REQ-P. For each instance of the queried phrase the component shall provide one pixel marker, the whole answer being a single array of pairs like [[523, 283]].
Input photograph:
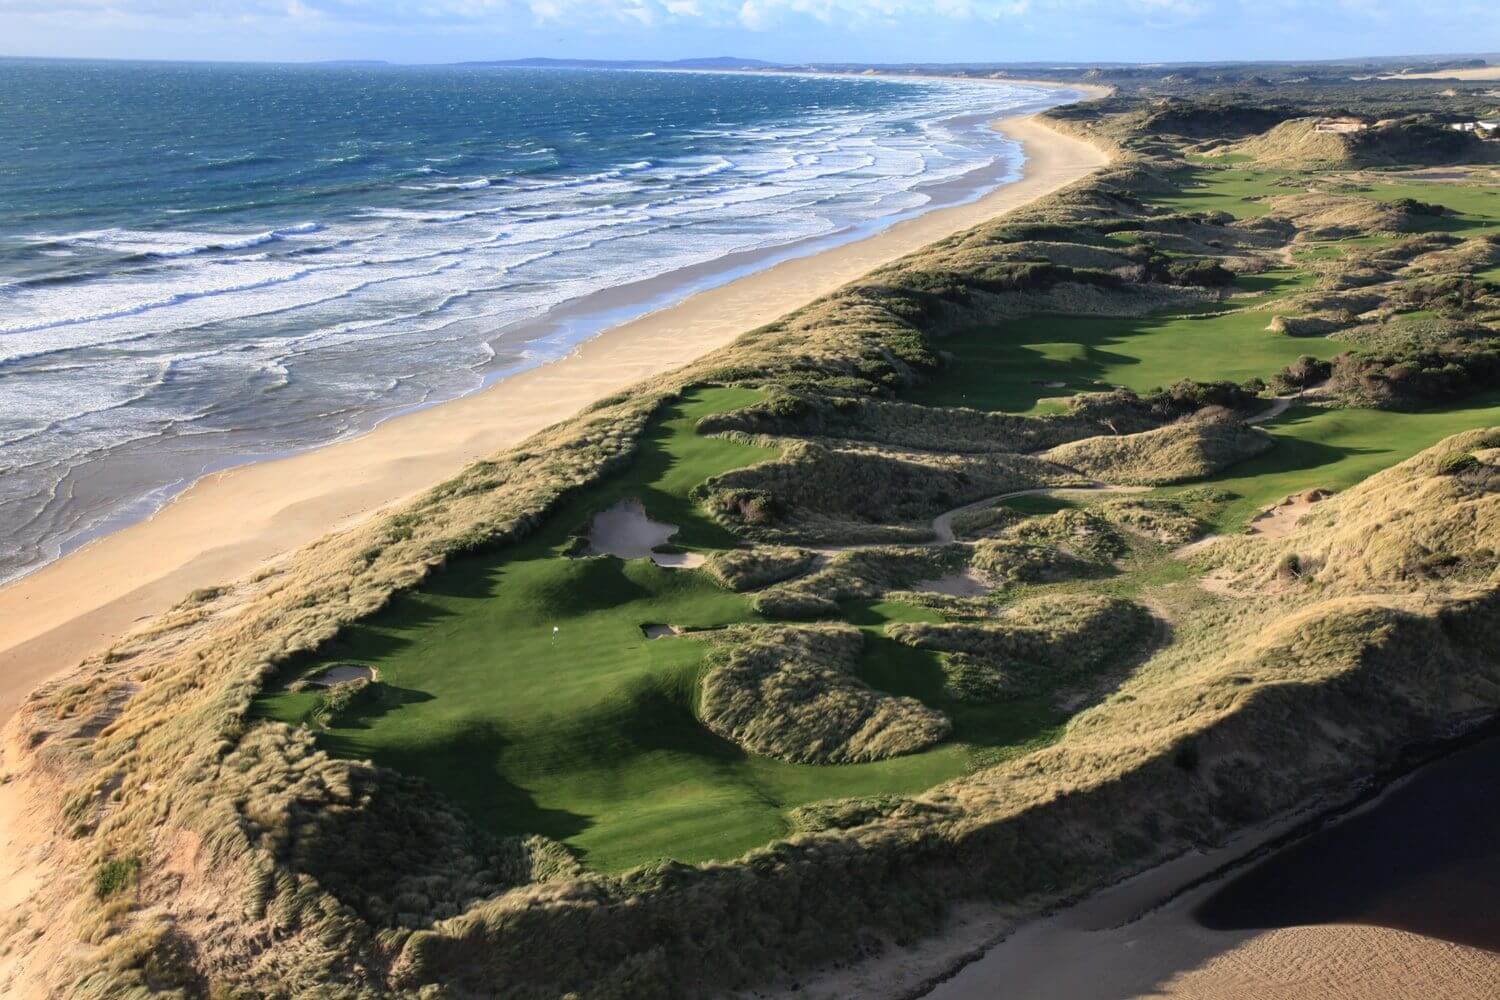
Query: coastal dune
[[230, 523]]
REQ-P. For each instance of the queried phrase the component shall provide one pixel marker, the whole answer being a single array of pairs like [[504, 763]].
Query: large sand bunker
[[342, 673], [626, 531], [965, 583]]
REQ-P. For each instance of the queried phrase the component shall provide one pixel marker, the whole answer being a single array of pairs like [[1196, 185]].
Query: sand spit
[[1468, 73], [229, 524]]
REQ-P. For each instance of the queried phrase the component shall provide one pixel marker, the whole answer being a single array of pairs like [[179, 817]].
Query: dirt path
[[1279, 405]]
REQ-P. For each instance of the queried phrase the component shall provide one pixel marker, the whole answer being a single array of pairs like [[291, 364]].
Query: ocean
[[204, 265]]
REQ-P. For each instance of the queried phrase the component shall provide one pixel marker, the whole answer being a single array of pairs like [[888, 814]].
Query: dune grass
[[590, 736]]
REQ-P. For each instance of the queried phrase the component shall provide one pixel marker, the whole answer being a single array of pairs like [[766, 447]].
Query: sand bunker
[[679, 560], [660, 631], [1278, 521], [625, 530], [962, 584], [343, 673]]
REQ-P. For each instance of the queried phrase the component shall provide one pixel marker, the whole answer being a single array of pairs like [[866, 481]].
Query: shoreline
[[1140, 938], [229, 523], [532, 341]]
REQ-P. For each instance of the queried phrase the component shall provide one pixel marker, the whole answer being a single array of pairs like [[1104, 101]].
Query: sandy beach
[[1469, 73], [229, 523]]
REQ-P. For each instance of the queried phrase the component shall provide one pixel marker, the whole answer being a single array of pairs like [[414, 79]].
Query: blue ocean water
[[206, 264]]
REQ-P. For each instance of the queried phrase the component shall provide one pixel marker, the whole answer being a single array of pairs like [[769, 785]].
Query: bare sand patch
[[1278, 520], [1466, 73], [342, 673], [627, 531], [679, 560], [966, 583]]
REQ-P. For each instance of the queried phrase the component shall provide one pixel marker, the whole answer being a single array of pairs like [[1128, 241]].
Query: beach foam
[[400, 294]]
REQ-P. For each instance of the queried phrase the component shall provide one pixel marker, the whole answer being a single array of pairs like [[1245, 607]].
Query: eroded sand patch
[[1278, 520], [679, 560]]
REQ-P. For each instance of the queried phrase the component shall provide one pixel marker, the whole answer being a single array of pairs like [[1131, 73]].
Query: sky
[[430, 31]]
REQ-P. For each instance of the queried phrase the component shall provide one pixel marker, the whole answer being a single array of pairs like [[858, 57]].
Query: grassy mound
[[1166, 521], [1044, 641], [761, 566], [1408, 141], [1188, 449], [791, 693], [811, 484], [1430, 523]]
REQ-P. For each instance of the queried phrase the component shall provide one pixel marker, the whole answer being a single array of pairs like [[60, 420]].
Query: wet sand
[[230, 523]]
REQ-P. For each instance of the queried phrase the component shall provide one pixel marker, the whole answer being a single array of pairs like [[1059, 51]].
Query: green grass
[[1334, 449], [1037, 504], [994, 730], [1227, 189], [590, 737], [1473, 209], [1006, 367], [1336, 249]]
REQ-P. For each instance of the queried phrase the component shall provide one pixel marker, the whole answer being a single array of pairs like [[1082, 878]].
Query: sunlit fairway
[[1234, 189], [590, 737], [1335, 449], [1241, 190], [1007, 367]]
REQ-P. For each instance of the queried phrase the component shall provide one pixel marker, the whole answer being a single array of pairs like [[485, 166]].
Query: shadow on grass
[[464, 769], [1292, 453], [376, 701], [899, 669]]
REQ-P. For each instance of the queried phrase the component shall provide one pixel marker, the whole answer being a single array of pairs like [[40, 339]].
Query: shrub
[[115, 876], [1457, 462]]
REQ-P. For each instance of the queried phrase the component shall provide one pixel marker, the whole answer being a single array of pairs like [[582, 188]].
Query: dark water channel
[[1424, 858]]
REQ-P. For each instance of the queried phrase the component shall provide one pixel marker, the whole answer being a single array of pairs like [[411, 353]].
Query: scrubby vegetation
[[1189, 449], [791, 693], [532, 792]]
